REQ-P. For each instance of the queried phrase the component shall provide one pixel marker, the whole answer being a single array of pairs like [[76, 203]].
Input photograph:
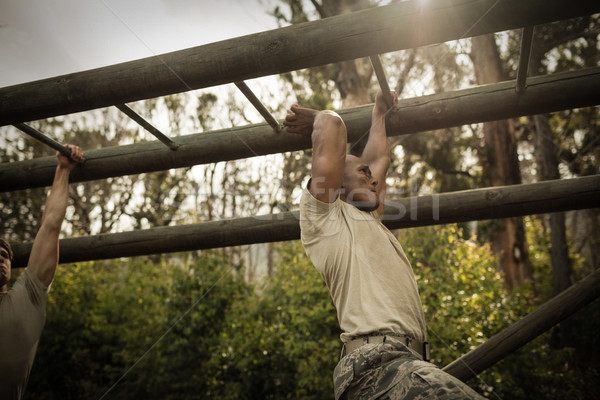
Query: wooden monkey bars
[[484, 103], [399, 25]]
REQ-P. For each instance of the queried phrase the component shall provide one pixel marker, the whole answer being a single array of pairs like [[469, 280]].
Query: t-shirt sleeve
[[316, 216], [36, 290]]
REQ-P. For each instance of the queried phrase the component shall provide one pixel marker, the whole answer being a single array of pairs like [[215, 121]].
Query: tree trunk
[[584, 226], [547, 169], [546, 156], [502, 167]]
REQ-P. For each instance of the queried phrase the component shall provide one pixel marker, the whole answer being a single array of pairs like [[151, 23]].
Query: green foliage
[[164, 330], [134, 329], [541, 369], [462, 294], [199, 298], [577, 139], [286, 343], [174, 328], [435, 162], [465, 304], [100, 318]]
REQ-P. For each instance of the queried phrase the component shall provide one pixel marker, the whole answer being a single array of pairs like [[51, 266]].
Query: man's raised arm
[[328, 134], [43, 259], [377, 150]]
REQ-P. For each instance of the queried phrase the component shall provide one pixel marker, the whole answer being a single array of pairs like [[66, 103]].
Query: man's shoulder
[[310, 204], [30, 275], [317, 218], [28, 283]]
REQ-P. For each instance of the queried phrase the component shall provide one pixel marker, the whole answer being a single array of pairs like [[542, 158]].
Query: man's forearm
[[56, 203], [377, 149], [377, 146]]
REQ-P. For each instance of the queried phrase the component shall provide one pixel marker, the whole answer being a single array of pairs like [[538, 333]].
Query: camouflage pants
[[392, 371]]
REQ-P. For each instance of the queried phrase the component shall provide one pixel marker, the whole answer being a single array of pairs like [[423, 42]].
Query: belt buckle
[[413, 344], [426, 352]]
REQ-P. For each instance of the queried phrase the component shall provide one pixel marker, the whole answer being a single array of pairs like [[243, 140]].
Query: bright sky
[[45, 38]]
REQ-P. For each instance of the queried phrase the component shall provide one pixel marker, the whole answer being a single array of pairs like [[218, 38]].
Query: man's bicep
[[43, 258], [326, 178], [329, 156]]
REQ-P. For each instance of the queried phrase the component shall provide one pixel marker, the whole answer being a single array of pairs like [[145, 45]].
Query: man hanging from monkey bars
[[23, 307], [384, 353]]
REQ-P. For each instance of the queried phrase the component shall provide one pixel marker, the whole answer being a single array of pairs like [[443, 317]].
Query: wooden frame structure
[[479, 104], [397, 26]]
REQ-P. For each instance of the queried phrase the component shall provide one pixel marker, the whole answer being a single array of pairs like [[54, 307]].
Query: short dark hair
[[6, 245]]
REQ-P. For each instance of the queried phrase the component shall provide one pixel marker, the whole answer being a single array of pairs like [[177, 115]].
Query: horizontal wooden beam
[[399, 25], [492, 202], [478, 204], [479, 104], [526, 329]]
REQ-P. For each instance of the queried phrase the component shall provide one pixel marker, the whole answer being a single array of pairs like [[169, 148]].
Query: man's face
[[360, 188], [5, 267]]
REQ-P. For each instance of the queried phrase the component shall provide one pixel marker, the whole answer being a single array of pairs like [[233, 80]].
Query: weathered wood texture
[[479, 104], [526, 329], [496, 202], [400, 25], [493, 202]]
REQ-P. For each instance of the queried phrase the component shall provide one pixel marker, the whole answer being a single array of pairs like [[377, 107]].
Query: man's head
[[359, 187], [6, 256]]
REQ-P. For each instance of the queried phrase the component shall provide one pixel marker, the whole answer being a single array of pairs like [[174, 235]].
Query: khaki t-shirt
[[368, 275], [22, 318]]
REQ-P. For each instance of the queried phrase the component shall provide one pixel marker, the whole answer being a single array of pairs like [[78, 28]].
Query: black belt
[[420, 347]]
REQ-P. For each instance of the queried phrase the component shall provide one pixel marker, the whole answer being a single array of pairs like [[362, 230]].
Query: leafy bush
[[170, 328], [285, 343]]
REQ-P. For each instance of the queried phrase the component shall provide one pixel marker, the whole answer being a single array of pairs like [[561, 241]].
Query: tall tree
[[501, 166], [578, 38], [572, 40]]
